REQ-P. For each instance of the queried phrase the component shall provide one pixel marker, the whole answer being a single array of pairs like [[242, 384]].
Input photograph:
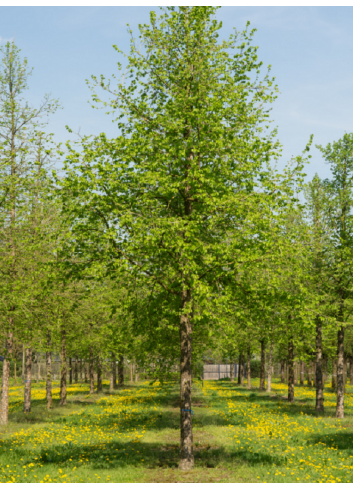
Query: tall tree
[[18, 124], [340, 155], [183, 191]]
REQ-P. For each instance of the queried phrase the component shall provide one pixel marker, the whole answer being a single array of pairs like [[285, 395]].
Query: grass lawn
[[240, 435]]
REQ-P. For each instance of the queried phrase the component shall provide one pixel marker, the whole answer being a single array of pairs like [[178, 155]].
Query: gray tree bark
[[48, 376], [28, 381], [248, 370], [340, 378], [319, 381], [262, 367], [290, 371], [63, 391], [186, 436], [91, 371]]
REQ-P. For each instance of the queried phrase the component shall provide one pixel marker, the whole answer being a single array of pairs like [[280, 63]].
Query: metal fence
[[219, 371], [216, 372]]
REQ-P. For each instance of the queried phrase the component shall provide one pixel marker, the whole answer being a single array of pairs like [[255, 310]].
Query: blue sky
[[309, 48]]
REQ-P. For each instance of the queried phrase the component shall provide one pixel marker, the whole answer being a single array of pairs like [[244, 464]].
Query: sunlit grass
[[283, 442], [132, 435]]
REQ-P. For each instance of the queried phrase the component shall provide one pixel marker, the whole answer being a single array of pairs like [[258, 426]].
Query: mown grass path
[[240, 435]]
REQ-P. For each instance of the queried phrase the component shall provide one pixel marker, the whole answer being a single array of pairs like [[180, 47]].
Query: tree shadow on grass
[[298, 407], [115, 455], [340, 441]]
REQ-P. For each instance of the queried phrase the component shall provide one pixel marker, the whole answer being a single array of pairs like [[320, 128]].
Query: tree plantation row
[[178, 240]]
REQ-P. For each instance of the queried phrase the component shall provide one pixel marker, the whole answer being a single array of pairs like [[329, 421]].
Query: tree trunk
[[76, 371], [112, 385], [23, 364], [48, 365], [232, 371], [302, 373], [186, 438], [85, 372], [309, 375], [351, 369], [248, 370], [91, 371], [334, 375], [324, 363], [131, 372], [70, 370], [262, 368], [290, 371], [282, 371], [121, 371], [242, 369], [28, 381], [5, 385], [295, 374], [99, 374], [269, 368], [340, 380], [319, 382], [240, 362], [344, 371], [63, 369]]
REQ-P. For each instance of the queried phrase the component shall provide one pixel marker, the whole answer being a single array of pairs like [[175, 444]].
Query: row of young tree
[[178, 236]]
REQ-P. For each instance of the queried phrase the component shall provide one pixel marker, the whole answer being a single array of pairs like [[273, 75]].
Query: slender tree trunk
[[113, 373], [290, 371], [91, 371], [232, 370], [85, 371], [5, 385], [240, 362], [295, 374], [319, 382], [63, 369], [23, 364], [115, 385], [248, 369], [186, 438], [131, 372], [334, 375], [48, 366], [309, 375], [28, 381], [99, 374], [262, 367], [76, 371], [340, 380], [301, 373], [282, 371], [269, 368], [242, 369], [351, 369], [324, 363], [70, 370], [81, 370], [121, 371]]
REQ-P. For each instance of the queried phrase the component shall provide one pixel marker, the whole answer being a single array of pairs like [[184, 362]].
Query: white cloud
[[4, 40]]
